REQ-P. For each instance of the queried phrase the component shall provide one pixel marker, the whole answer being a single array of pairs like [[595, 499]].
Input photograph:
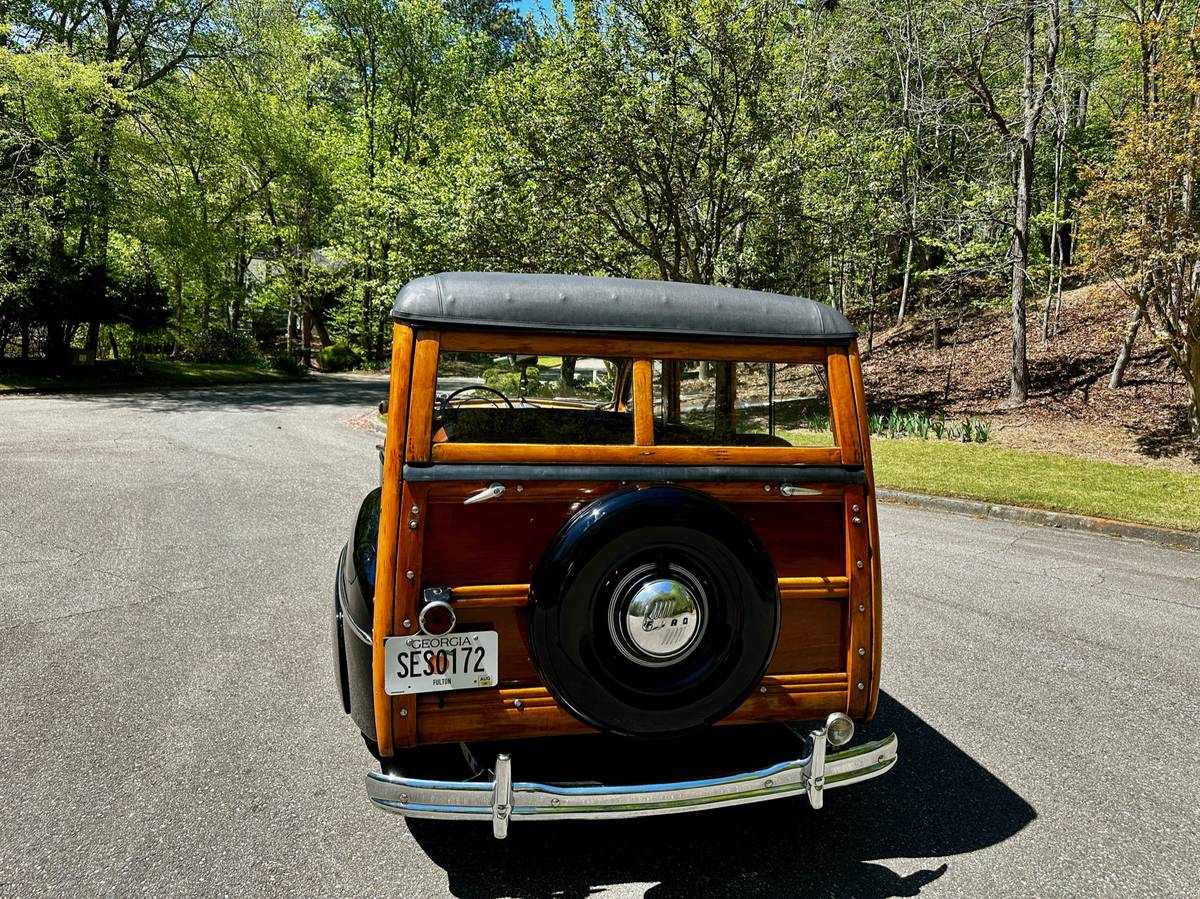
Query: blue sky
[[534, 5]]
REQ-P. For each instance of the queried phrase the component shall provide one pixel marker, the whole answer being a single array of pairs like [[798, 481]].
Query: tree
[[1140, 218], [988, 28]]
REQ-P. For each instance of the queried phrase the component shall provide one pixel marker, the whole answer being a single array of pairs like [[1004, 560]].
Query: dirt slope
[[1071, 408]]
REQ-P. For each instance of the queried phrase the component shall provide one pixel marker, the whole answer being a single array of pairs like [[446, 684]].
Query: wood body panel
[[500, 542], [494, 714], [812, 634]]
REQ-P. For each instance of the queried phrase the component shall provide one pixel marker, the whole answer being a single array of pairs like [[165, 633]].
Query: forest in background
[[221, 179]]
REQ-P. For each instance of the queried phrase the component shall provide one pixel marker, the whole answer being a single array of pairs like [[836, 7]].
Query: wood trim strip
[[662, 348], [387, 549], [582, 453], [861, 607], [507, 596], [843, 408], [408, 591], [490, 596], [643, 403], [860, 400], [813, 587], [423, 396]]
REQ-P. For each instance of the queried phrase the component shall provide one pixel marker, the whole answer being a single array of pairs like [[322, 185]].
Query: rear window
[[741, 404], [490, 397]]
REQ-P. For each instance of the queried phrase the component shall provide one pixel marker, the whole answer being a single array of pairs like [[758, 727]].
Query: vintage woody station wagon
[[632, 507]]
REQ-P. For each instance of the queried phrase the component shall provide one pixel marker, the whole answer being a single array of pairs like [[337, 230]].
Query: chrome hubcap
[[657, 617]]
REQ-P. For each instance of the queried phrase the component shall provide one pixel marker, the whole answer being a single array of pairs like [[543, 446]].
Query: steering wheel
[[448, 399]]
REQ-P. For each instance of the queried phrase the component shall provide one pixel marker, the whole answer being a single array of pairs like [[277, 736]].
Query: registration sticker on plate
[[424, 664]]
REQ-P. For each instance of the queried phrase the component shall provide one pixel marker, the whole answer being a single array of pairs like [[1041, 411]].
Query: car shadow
[[936, 802]]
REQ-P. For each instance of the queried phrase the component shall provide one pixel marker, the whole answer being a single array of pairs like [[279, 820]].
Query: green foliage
[[285, 364], [219, 344], [256, 165], [920, 425], [338, 357], [508, 382]]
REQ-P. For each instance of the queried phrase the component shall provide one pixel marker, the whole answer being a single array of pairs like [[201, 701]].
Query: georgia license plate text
[[424, 664]]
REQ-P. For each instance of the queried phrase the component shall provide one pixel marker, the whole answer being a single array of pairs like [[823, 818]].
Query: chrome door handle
[[491, 491], [790, 490]]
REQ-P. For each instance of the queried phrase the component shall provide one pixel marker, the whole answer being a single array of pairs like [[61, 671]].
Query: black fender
[[354, 612]]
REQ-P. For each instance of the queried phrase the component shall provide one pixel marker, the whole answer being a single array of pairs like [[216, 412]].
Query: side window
[[490, 397], [759, 404]]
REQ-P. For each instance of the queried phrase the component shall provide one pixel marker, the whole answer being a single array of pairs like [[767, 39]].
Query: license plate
[[423, 664]]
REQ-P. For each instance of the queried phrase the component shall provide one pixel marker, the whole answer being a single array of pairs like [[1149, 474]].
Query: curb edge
[[1043, 517]]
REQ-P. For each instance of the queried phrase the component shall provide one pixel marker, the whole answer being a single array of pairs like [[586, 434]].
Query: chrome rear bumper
[[502, 800]]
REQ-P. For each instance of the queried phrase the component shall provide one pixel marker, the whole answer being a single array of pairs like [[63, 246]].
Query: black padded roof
[[616, 306]]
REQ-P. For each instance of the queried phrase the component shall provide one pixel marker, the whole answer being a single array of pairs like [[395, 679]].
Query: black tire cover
[[572, 601]]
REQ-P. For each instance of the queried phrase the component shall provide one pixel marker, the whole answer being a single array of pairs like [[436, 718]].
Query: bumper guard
[[502, 800]]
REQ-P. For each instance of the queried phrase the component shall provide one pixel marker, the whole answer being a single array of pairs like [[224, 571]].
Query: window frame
[[429, 344]]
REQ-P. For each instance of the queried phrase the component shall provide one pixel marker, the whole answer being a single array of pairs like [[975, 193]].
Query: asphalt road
[[168, 724]]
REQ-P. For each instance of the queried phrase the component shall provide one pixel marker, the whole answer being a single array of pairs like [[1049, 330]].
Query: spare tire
[[654, 612]]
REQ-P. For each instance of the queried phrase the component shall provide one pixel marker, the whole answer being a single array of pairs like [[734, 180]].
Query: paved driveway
[[168, 724]]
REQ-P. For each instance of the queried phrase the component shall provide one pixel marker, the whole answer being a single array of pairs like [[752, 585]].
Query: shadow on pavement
[[316, 390], [937, 802]]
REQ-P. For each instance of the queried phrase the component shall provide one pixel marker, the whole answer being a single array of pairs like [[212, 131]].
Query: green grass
[[199, 373], [1040, 480], [802, 437], [155, 373]]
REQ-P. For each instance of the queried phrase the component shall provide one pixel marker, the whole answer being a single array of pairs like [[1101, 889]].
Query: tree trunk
[[92, 343], [908, 257], [99, 250], [672, 375], [1019, 388], [1055, 243], [177, 289], [725, 408], [1126, 353], [871, 306], [567, 373], [1194, 389], [318, 322]]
